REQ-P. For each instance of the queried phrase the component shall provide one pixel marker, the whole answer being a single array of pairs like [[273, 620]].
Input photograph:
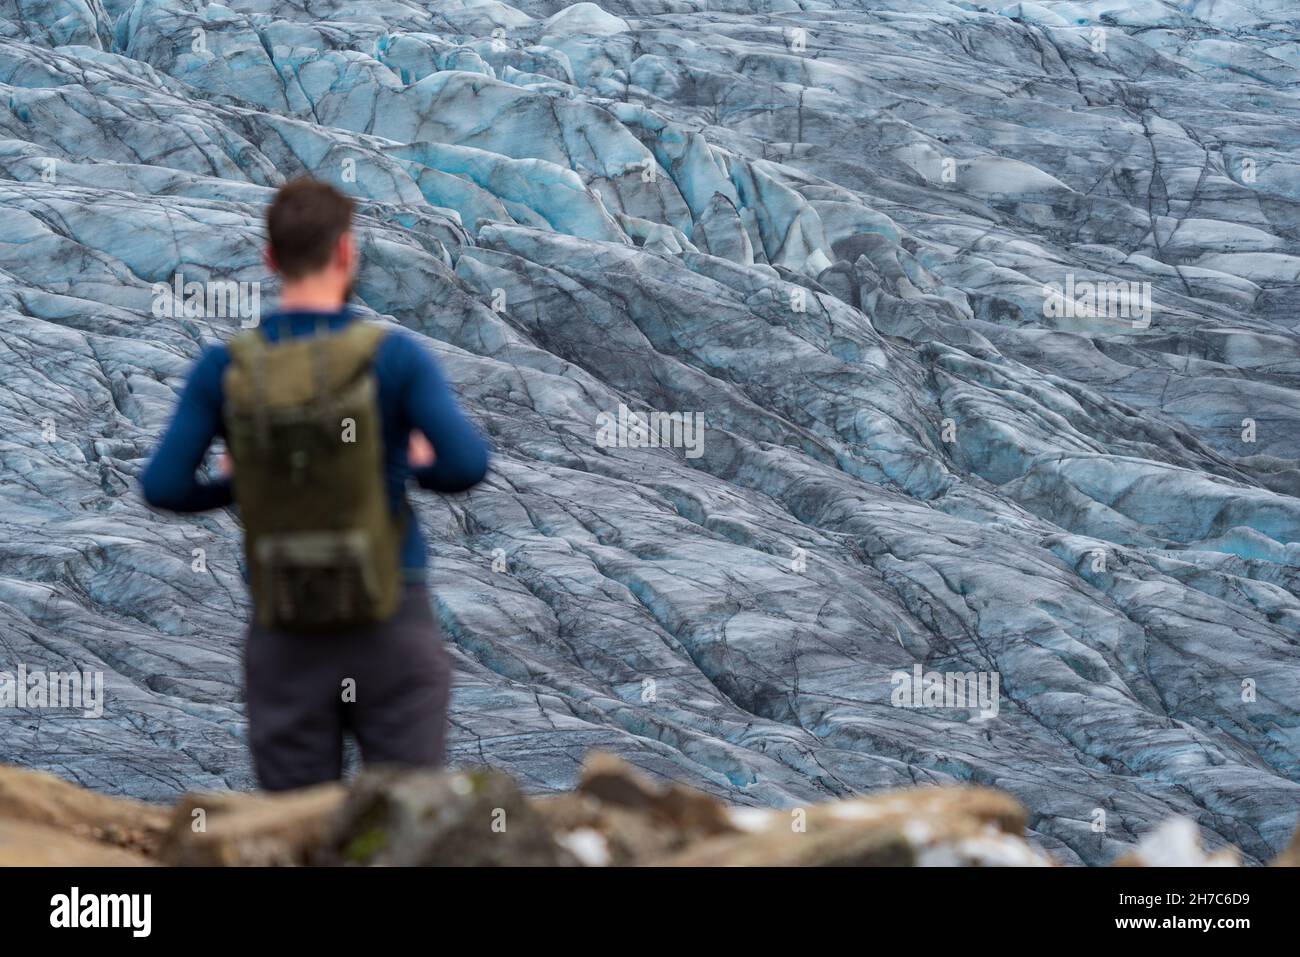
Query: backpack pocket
[[318, 580]]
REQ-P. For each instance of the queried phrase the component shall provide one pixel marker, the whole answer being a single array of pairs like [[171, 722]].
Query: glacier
[[839, 231]]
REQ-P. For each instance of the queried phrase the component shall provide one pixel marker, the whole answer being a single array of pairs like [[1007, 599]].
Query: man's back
[[412, 395]]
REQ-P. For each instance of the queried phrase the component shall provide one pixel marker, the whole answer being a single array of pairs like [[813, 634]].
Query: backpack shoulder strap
[[244, 382], [358, 344], [244, 346]]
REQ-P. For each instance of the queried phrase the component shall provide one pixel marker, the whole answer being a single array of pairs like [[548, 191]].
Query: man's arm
[[461, 455], [169, 480]]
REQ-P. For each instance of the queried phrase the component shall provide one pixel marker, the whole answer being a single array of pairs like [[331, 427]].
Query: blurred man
[[325, 417]]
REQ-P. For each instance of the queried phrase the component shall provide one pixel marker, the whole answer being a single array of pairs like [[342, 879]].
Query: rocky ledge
[[615, 816], [988, 316]]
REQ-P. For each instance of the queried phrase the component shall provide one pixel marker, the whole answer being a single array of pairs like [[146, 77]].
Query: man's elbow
[[154, 492], [158, 491], [464, 472], [472, 470]]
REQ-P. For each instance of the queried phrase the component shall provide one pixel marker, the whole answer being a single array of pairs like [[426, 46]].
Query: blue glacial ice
[[825, 226]]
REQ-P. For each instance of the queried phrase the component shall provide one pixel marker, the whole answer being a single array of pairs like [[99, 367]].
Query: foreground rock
[[617, 816], [35, 845], [41, 809], [237, 829], [428, 819], [1177, 843], [929, 827], [1291, 856]]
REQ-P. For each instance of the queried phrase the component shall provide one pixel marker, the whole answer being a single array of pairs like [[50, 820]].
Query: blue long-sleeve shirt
[[412, 395]]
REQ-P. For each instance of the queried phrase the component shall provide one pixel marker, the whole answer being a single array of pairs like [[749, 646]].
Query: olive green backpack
[[303, 427]]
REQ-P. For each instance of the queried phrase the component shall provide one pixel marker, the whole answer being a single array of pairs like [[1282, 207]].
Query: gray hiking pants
[[387, 683]]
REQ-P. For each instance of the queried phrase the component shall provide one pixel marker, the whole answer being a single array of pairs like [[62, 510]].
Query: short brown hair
[[303, 223]]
